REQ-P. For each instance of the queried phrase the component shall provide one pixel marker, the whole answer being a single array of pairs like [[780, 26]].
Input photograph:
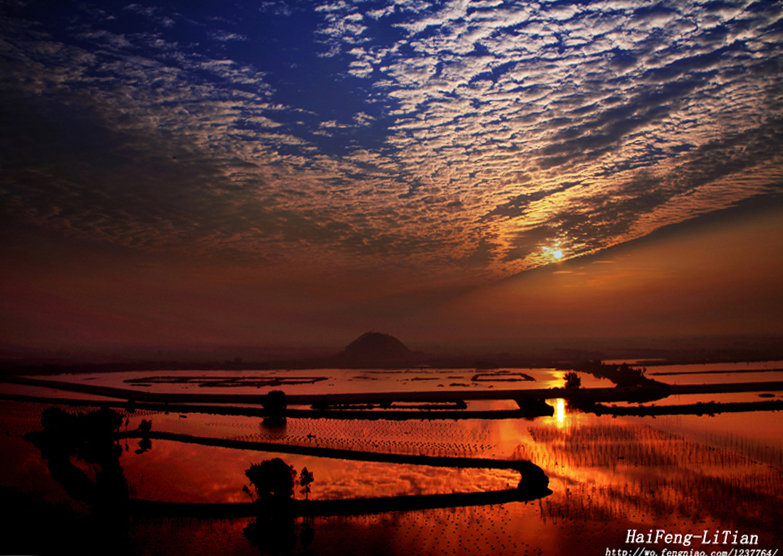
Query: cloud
[[463, 137]]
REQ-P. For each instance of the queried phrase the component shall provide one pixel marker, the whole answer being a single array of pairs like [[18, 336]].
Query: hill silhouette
[[376, 347]]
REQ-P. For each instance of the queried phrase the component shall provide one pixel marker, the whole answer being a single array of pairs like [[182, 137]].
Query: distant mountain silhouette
[[375, 347]]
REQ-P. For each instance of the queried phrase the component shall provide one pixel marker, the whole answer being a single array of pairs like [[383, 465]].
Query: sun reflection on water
[[560, 413]]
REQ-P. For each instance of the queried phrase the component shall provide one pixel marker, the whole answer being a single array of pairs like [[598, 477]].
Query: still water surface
[[607, 474]]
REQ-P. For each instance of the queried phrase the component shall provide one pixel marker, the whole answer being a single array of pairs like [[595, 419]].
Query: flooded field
[[607, 475], [325, 381], [717, 372]]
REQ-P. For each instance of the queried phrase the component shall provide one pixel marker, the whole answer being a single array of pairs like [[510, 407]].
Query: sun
[[558, 254]]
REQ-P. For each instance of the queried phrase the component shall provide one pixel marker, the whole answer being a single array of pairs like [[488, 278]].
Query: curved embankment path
[[532, 486]]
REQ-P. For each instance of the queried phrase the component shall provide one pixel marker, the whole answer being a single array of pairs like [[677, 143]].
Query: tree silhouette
[[89, 438], [274, 408], [273, 480], [145, 426], [305, 480], [274, 528], [572, 381]]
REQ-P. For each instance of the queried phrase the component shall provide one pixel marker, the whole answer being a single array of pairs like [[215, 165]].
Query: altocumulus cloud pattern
[[483, 135]]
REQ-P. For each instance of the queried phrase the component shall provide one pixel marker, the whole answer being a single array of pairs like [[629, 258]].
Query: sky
[[212, 175]]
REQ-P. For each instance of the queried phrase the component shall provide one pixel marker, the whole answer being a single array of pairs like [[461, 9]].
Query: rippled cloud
[[460, 137]]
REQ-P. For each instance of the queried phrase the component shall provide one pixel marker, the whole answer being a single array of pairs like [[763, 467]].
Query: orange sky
[[716, 278], [721, 278]]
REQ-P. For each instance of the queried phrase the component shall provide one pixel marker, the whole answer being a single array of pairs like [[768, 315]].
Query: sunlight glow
[[560, 412], [558, 254]]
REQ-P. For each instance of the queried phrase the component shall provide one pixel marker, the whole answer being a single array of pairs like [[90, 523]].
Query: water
[[607, 474], [762, 371], [328, 381]]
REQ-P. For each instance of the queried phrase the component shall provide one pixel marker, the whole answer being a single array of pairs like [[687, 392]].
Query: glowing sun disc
[[557, 254]]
